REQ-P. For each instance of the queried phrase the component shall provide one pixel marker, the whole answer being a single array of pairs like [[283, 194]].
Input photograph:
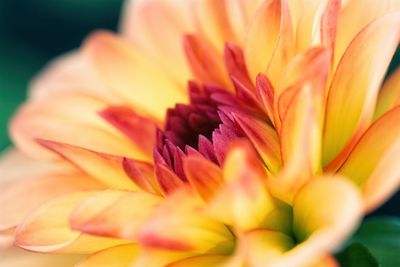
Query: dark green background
[[35, 31]]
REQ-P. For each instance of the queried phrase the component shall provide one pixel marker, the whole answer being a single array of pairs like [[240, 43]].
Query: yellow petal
[[243, 201], [106, 168], [113, 213], [189, 228], [20, 198], [47, 229], [351, 99], [118, 256], [389, 95], [263, 36], [357, 14], [319, 227], [157, 26], [327, 223], [200, 261], [373, 161], [133, 76], [15, 257], [300, 145], [53, 118], [265, 247]]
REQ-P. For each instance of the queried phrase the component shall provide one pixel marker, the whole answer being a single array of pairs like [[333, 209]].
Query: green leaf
[[382, 237], [356, 255]]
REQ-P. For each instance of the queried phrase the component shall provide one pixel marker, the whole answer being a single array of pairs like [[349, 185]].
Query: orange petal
[[19, 199], [157, 26], [15, 257], [133, 76], [389, 95], [205, 61], [142, 174], [189, 229], [351, 99], [47, 229], [53, 118], [352, 21], [106, 168], [205, 177], [167, 180], [264, 139], [373, 162], [118, 256], [265, 91], [112, 213], [243, 201]]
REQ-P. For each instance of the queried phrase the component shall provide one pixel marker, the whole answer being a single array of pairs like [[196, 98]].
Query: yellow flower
[[210, 133]]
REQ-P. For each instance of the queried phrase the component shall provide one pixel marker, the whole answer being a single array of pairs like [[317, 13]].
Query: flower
[[211, 133]]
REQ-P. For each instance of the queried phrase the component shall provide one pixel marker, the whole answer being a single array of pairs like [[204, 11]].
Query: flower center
[[198, 127]]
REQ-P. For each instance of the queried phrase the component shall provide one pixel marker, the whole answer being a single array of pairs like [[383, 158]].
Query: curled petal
[[200, 261]]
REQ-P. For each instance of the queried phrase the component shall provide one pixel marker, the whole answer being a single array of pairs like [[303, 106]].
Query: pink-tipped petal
[[106, 168], [47, 229], [141, 130], [113, 213]]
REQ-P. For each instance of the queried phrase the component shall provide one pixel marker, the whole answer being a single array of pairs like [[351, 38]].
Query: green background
[[34, 31]]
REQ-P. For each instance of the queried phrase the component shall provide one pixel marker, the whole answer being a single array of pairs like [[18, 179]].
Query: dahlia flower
[[208, 133]]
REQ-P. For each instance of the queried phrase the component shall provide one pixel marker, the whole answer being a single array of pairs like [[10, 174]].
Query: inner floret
[[202, 126]]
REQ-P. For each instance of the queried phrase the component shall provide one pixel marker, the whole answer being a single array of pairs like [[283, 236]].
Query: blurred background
[[34, 31]]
